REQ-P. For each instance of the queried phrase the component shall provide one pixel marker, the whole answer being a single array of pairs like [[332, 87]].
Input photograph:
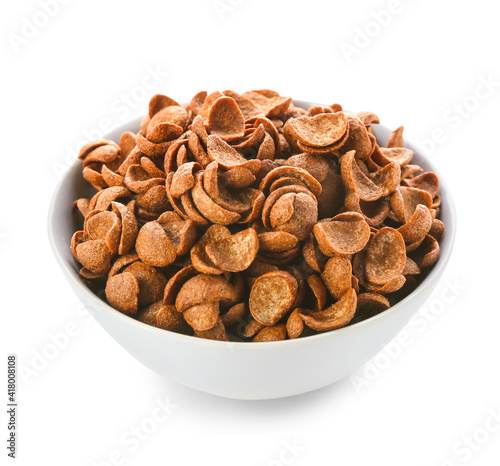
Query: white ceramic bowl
[[242, 370]]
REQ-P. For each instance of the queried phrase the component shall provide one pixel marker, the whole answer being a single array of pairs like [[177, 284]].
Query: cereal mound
[[247, 218]]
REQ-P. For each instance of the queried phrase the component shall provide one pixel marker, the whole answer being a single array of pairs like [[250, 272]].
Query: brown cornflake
[[385, 257], [358, 138], [104, 225], [235, 314], [337, 275], [272, 296], [370, 304], [274, 333], [235, 253], [426, 181], [335, 316], [318, 289], [154, 246], [252, 328], [151, 282], [437, 229], [405, 200], [346, 233], [228, 157], [94, 255], [418, 226], [293, 209], [277, 241], [163, 316], [396, 138], [226, 120], [203, 289], [427, 253], [122, 292], [217, 332], [238, 177], [319, 131], [248, 212], [269, 102], [202, 317], [294, 325], [183, 179]]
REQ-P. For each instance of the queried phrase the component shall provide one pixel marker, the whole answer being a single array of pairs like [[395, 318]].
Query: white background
[[431, 401]]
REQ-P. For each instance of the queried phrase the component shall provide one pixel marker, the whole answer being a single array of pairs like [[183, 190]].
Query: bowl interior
[[64, 220]]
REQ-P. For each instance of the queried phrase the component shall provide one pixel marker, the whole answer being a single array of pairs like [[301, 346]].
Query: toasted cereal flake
[[418, 226], [218, 332], [269, 102], [437, 230], [405, 200], [246, 106], [272, 296], [319, 291], [202, 317], [396, 138], [197, 102], [370, 304], [183, 179], [337, 275], [151, 282], [274, 333], [237, 177], [122, 291], [94, 255], [228, 157], [154, 246], [312, 255], [235, 314], [294, 325], [346, 233], [225, 119], [319, 131], [427, 253], [235, 253], [385, 257], [374, 212], [252, 328], [426, 181], [335, 316], [203, 289], [358, 139], [207, 104], [199, 256], [158, 102], [277, 241], [385, 155]]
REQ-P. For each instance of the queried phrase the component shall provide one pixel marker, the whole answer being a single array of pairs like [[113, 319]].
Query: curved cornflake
[[346, 233], [385, 257], [335, 316], [235, 253], [272, 296], [226, 120]]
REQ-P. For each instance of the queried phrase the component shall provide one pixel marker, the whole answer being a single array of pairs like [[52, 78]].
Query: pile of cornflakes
[[247, 218]]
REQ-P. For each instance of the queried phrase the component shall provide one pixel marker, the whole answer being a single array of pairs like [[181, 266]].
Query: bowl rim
[[434, 273]]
